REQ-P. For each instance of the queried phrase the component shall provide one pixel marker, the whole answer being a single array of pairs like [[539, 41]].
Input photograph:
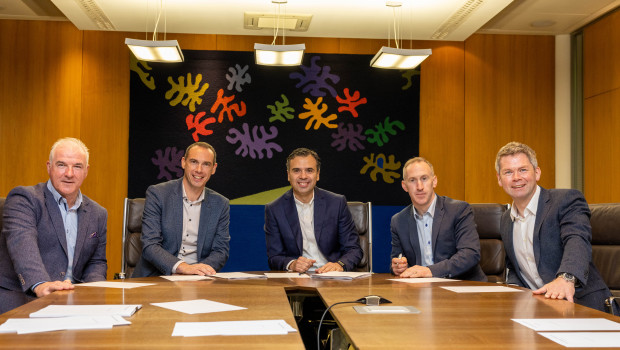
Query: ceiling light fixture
[[279, 55], [156, 50], [398, 58]]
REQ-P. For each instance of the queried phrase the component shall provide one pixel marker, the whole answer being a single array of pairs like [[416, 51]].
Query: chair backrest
[[492, 253], [605, 222], [362, 217], [2, 199], [132, 230]]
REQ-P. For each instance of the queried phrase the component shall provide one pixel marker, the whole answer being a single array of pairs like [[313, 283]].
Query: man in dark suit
[[52, 235], [185, 224], [436, 234], [546, 233], [307, 228]]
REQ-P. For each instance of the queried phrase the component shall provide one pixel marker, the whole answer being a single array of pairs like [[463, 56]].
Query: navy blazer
[[456, 245], [334, 229], [33, 246], [162, 229], [562, 236]]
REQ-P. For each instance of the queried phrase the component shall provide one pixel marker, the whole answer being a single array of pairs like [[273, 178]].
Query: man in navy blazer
[[307, 228], [436, 234], [52, 235], [546, 233], [185, 224]]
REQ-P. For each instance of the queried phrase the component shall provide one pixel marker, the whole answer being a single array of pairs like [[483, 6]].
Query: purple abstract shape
[[168, 162], [251, 143], [315, 79], [350, 135]]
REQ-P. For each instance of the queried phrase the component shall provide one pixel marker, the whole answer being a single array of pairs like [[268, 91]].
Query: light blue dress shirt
[[425, 233]]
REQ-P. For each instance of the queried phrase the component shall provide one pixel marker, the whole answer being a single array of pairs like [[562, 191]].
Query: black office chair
[[132, 230], [605, 222], [362, 217]]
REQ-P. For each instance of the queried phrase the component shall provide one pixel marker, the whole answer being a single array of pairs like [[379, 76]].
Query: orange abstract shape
[[350, 102], [200, 124], [315, 113], [226, 109]]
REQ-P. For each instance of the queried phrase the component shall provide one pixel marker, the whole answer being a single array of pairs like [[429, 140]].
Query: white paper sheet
[[344, 275], [37, 325], [481, 289], [262, 327], [108, 284], [585, 339], [198, 306], [286, 275], [177, 278], [86, 310], [569, 324], [422, 280], [237, 275]]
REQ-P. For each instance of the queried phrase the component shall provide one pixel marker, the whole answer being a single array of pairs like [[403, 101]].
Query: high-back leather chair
[[605, 222], [362, 217], [2, 199], [492, 253], [132, 230]]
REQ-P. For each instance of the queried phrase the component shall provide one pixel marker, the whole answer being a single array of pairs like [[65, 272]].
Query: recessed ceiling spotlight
[[542, 23]]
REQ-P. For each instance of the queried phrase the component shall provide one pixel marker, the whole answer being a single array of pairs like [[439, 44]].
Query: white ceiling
[[418, 19]]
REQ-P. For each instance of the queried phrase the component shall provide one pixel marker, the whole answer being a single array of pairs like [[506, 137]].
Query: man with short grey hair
[[52, 235]]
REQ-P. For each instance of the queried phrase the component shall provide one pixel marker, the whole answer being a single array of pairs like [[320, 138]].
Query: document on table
[[344, 275], [286, 275], [237, 275], [422, 280], [198, 306], [177, 278], [569, 324], [259, 327], [481, 289], [37, 325], [86, 310], [584, 339], [107, 284]]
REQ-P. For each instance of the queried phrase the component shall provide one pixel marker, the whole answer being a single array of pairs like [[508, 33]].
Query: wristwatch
[[344, 268], [567, 277]]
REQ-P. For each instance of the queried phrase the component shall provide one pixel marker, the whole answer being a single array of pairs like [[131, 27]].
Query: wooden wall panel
[[40, 87], [601, 115], [509, 96]]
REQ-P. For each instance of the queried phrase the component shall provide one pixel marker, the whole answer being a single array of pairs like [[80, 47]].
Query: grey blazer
[[162, 229], [33, 245], [456, 246], [562, 236]]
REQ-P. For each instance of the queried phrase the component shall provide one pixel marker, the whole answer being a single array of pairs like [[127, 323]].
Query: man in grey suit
[[52, 235], [436, 234], [546, 233], [185, 224]]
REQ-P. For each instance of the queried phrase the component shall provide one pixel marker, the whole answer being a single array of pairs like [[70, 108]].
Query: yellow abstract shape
[[261, 198], [315, 113], [146, 77], [381, 166], [187, 94], [408, 75]]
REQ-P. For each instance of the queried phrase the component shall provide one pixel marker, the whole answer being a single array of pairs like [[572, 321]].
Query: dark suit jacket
[[334, 230], [162, 229], [456, 246], [562, 236], [33, 246]]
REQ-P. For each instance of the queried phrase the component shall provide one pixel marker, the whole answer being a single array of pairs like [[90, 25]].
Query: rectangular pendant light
[[392, 58], [155, 50], [279, 55]]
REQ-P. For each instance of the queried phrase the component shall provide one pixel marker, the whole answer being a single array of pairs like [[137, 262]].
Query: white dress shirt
[[191, 220], [523, 241], [305, 212]]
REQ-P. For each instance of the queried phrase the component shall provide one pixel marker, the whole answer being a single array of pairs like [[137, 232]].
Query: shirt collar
[[200, 198], [431, 208], [60, 199], [530, 209], [298, 202]]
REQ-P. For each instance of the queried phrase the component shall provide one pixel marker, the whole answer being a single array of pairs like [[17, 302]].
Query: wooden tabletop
[[447, 320]]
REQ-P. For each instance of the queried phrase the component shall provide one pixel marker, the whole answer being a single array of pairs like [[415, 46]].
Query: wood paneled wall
[[601, 114], [58, 81]]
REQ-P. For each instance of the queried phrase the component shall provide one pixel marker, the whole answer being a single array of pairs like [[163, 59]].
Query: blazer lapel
[[413, 236], [205, 217], [177, 212], [541, 213], [56, 218], [319, 215], [437, 217], [290, 210], [82, 232]]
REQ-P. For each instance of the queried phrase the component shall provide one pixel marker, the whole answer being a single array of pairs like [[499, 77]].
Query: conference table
[[447, 320]]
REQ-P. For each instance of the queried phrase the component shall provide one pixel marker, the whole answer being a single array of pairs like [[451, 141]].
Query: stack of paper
[[86, 310], [264, 327], [181, 278], [237, 275], [286, 275], [198, 306], [110, 284], [335, 275]]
